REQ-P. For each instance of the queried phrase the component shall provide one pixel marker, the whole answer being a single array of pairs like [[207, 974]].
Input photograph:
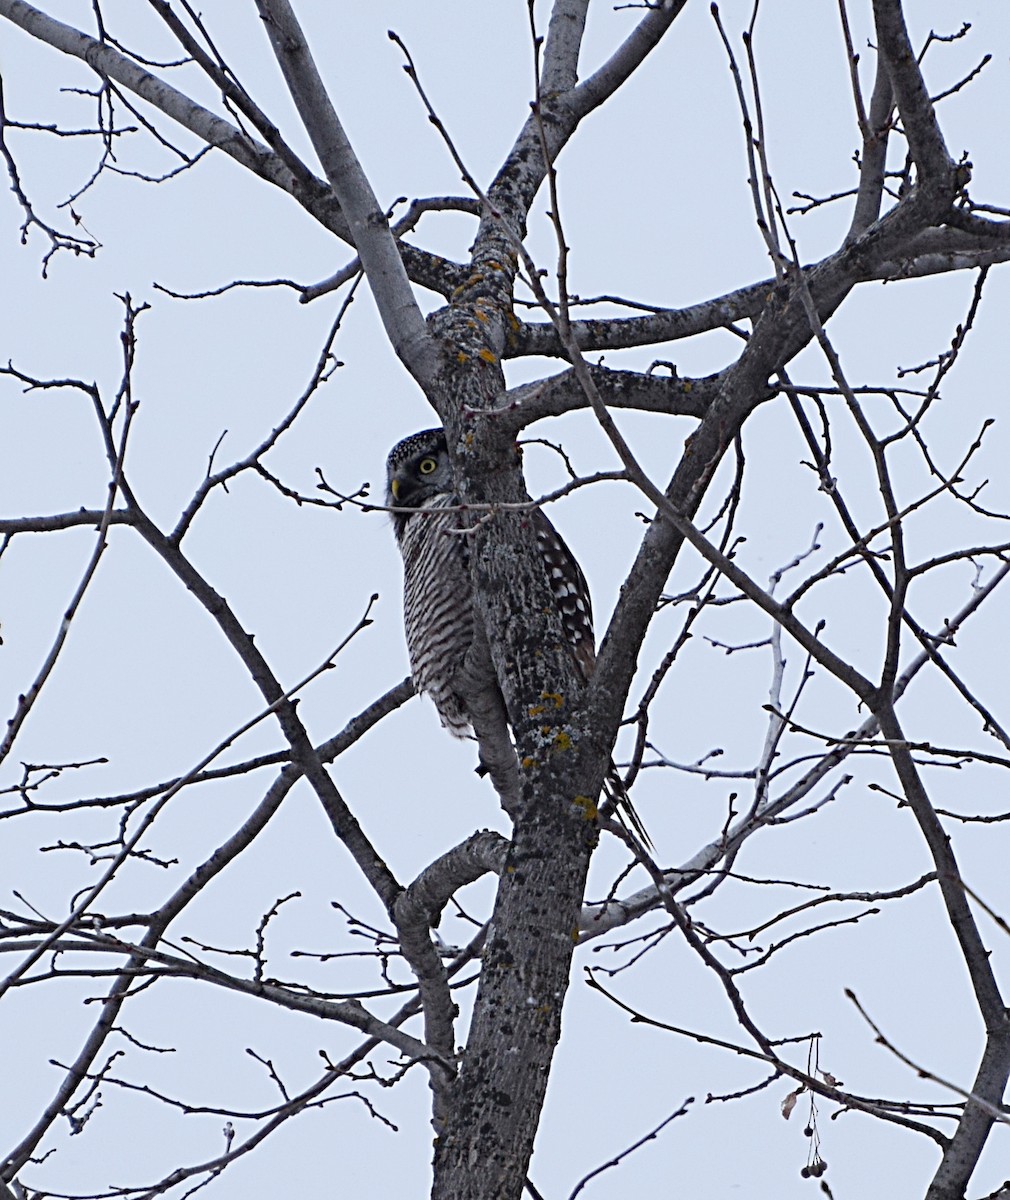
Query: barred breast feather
[[437, 606]]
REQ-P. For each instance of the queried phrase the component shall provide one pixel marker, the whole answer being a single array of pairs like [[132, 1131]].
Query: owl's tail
[[618, 796]]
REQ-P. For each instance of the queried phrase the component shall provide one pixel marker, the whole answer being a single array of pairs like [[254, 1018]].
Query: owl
[[438, 608]]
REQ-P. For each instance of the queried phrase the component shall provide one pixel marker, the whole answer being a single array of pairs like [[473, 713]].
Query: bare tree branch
[[366, 221]]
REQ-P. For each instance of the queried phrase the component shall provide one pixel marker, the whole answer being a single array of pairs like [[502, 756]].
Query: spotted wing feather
[[570, 591]]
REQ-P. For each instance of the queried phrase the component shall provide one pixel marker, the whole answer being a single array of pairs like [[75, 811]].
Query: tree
[[799, 498]]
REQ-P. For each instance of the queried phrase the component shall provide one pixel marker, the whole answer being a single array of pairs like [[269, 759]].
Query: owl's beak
[[394, 487]]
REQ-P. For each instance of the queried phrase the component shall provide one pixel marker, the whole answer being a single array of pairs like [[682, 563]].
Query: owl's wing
[[570, 591]]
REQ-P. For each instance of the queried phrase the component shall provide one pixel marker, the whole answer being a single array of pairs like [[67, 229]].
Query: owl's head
[[416, 470]]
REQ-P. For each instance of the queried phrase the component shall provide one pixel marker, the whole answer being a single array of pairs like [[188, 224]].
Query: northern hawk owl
[[437, 597]]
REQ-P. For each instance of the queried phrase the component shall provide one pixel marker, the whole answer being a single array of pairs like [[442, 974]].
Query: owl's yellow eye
[[427, 465]]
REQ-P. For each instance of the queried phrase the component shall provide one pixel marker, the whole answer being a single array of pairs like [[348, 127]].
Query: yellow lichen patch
[[462, 357], [536, 710], [687, 385], [488, 356], [562, 741], [528, 763], [554, 697], [589, 809], [494, 266]]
